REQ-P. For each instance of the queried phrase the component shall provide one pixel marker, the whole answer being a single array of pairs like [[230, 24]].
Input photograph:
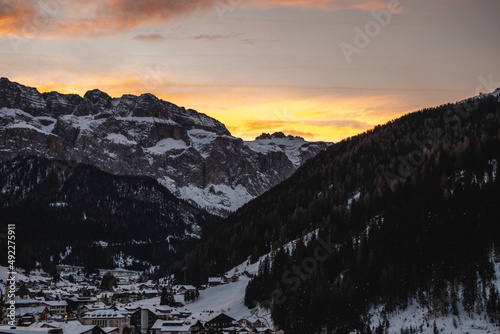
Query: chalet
[[245, 323], [144, 317], [94, 307], [26, 302], [71, 327], [76, 302], [27, 315], [253, 324], [107, 318], [56, 307], [213, 281], [187, 326], [28, 330], [182, 289], [220, 321]]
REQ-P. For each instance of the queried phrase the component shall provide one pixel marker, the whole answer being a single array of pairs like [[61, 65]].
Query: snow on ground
[[118, 138], [422, 320], [226, 298], [146, 120], [4, 272], [354, 197], [83, 123], [13, 113], [47, 124], [217, 196], [24, 125], [166, 145], [202, 140]]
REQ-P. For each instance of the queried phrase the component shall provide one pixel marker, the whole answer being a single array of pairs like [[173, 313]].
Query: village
[[120, 302]]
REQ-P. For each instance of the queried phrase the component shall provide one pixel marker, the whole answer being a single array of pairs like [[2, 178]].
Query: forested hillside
[[407, 210], [76, 214]]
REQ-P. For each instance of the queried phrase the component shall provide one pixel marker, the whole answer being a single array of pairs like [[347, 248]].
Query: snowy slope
[[226, 298]]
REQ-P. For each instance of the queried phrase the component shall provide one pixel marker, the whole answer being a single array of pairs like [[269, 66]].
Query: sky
[[322, 70]]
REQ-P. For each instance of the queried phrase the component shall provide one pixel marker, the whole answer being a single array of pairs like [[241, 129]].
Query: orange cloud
[[16, 16], [149, 38], [98, 18], [328, 5]]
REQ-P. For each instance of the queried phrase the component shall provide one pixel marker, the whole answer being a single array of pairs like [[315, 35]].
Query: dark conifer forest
[[56, 204], [405, 212]]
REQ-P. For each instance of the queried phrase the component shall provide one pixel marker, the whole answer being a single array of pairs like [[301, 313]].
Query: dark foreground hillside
[[407, 211], [76, 214]]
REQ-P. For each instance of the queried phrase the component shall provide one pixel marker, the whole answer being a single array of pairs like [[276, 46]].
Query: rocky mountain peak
[[277, 135], [190, 153], [28, 99]]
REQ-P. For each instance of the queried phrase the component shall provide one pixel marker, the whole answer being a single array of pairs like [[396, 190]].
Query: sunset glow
[[264, 65]]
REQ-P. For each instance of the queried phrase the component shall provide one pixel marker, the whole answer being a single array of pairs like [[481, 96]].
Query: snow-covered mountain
[[190, 153]]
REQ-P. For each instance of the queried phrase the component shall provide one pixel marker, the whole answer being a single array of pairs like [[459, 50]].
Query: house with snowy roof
[[182, 289], [220, 321], [107, 318], [28, 315], [213, 281], [56, 307], [28, 330], [186, 326], [70, 327]]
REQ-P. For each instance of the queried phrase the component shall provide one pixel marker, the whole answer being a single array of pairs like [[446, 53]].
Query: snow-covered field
[[227, 298]]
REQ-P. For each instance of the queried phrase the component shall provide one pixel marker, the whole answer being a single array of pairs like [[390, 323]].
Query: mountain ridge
[[190, 153]]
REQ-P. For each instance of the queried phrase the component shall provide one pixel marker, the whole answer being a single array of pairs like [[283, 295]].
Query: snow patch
[[217, 196], [120, 139], [201, 141], [166, 145]]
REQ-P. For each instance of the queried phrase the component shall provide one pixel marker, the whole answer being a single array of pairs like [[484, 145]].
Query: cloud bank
[[101, 18]]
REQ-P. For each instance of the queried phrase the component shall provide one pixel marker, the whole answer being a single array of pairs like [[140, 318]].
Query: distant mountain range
[[193, 155]]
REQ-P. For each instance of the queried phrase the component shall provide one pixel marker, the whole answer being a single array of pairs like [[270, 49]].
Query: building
[[182, 289], [107, 318], [56, 307], [25, 316], [213, 281], [143, 318], [76, 302], [187, 326], [28, 330], [220, 321], [70, 327]]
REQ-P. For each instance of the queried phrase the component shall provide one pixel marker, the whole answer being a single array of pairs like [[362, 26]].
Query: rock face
[[190, 153]]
